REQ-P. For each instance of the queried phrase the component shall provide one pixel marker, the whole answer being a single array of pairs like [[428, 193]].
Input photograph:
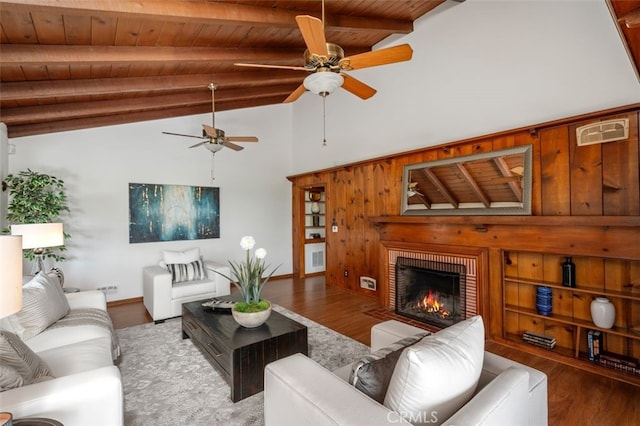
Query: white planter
[[251, 319], [603, 313]]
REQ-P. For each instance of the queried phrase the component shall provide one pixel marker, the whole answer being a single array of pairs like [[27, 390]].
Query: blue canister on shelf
[[543, 300]]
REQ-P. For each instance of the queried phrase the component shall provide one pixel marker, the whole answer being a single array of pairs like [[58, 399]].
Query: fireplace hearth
[[429, 291]]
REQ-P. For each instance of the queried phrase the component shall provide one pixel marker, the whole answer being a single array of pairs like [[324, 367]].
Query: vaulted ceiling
[[69, 64], [73, 64]]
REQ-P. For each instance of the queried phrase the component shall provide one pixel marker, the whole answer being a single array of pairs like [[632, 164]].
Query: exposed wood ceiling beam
[[631, 19], [25, 115], [210, 13], [59, 56], [23, 90], [133, 117], [424, 200], [440, 187], [27, 54], [474, 185], [506, 172]]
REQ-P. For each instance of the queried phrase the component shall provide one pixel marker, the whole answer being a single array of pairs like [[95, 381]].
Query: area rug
[[167, 381]]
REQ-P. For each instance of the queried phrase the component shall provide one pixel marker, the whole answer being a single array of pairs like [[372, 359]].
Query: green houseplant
[[250, 279], [36, 198]]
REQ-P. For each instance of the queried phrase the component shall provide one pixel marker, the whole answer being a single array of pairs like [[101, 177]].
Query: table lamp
[[10, 274], [39, 237]]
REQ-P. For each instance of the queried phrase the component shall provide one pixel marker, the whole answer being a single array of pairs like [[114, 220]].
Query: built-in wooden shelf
[[565, 356], [314, 240], [620, 331], [582, 289]]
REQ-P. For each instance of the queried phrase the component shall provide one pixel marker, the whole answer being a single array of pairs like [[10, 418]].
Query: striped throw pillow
[[43, 303], [372, 373], [181, 272], [20, 365]]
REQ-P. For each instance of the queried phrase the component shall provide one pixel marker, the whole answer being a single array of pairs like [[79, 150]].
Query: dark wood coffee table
[[240, 354]]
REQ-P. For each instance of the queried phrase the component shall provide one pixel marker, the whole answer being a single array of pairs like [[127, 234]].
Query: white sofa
[[86, 388], [298, 390], [163, 298]]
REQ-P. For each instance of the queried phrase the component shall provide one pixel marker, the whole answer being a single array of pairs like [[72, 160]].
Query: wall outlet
[[346, 272], [108, 289]]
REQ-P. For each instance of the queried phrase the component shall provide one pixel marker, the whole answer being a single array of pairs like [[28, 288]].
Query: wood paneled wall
[[596, 180]]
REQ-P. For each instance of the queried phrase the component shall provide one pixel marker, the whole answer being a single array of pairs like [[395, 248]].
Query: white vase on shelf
[[603, 313]]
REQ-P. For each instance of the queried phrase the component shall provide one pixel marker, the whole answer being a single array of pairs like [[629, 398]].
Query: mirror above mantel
[[489, 183]]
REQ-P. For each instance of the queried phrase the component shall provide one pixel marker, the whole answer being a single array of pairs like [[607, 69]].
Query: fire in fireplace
[[429, 291]]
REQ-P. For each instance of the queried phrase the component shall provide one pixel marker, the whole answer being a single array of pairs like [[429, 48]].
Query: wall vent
[[604, 131], [317, 259], [368, 283]]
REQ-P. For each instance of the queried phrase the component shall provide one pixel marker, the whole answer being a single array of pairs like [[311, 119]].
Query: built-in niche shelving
[[570, 319]]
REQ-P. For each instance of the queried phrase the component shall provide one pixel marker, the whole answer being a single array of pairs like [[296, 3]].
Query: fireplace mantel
[[598, 221], [603, 236]]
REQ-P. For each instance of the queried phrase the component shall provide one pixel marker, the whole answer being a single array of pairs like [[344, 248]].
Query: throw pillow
[[183, 257], [186, 272], [438, 375], [43, 303], [9, 378], [372, 373], [21, 366]]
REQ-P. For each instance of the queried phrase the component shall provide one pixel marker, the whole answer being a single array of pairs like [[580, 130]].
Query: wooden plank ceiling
[[73, 64], [626, 13]]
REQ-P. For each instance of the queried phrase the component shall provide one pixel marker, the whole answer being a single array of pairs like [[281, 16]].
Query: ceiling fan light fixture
[[323, 83], [214, 147]]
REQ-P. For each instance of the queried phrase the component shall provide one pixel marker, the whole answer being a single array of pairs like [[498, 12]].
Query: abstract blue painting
[[173, 212]]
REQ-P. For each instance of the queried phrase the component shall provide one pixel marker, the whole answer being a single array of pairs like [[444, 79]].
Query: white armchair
[[163, 298]]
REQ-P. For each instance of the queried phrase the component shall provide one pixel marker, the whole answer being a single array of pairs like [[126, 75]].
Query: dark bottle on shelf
[[568, 273]]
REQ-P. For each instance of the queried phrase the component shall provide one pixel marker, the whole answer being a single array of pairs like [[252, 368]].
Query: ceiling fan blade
[[278, 67], [198, 144], [357, 87], [312, 30], [374, 58], [242, 138], [295, 94], [233, 146], [186, 136], [211, 131]]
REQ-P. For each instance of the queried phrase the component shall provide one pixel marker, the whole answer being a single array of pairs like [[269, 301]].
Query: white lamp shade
[[10, 274], [39, 235], [323, 83]]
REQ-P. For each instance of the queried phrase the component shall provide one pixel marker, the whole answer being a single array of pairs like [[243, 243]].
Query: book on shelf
[[539, 339], [622, 363], [594, 344]]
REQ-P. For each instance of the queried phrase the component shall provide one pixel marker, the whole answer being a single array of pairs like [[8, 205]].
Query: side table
[[36, 421]]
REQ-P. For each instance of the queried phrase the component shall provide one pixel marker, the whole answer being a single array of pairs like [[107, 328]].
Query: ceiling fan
[[326, 62], [212, 138]]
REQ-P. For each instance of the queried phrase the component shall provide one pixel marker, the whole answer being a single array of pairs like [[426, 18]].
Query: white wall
[[478, 67], [98, 164]]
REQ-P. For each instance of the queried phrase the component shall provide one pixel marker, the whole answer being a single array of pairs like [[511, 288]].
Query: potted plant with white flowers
[[249, 278]]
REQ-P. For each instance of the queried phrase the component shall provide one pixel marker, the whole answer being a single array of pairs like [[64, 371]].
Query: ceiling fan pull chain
[[324, 122], [213, 167]]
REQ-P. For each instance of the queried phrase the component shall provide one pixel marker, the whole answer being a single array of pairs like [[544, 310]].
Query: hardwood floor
[[576, 397]]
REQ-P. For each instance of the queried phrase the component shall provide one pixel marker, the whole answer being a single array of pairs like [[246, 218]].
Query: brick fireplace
[[469, 295]]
